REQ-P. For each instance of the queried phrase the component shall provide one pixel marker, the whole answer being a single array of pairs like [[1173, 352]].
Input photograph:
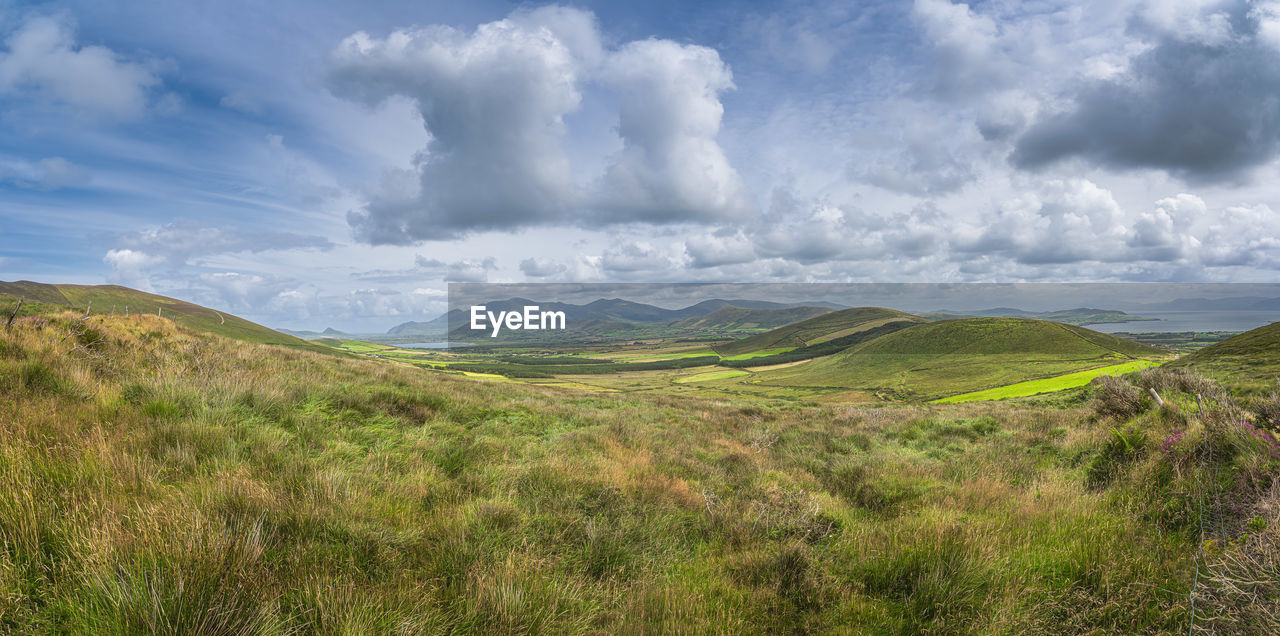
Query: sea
[[1198, 321]]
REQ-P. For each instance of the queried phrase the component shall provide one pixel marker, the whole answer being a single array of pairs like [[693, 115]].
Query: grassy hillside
[[938, 359], [815, 330], [1250, 361], [739, 318], [104, 299], [155, 479]]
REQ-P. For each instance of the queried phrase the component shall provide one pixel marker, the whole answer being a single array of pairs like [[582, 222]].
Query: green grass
[[760, 353], [1250, 361], [114, 299], [824, 327], [740, 319], [1046, 385], [937, 359], [156, 479], [711, 375]]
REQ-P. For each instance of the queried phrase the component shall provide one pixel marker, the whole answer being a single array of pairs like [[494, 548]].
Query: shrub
[[36, 377], [1268, 411], [1170, 380], [1124, 446], [1113, 397]]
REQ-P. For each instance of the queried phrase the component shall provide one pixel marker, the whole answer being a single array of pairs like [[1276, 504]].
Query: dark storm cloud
[[1206, 109]]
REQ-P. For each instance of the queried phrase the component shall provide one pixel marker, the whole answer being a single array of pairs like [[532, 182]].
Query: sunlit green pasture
[[1046, 385]]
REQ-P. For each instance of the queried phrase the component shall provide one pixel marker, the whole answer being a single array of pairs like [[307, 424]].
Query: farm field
[[1047, 385]]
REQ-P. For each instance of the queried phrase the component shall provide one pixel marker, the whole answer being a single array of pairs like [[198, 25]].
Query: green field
[[1045, 385], [712, 375], [933, 360], [824, 327], [1250, 360], [759, 354]]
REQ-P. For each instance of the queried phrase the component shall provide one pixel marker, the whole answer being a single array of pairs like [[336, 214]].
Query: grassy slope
[[1250, 360], [107, 298], [738, 318], [1048, 385], [157, 479], [824, 327], [956, 356]]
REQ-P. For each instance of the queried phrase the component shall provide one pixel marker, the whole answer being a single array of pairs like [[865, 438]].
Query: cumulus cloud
[[41, 58], [639, 258], [495, 102], [670, 168], [541, 267], [129, 266], [470, 270], [718, 249], [1201, 103], [966, 48]]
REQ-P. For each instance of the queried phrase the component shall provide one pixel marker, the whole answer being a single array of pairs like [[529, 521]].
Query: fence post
[[1156, 397], [13, 315]]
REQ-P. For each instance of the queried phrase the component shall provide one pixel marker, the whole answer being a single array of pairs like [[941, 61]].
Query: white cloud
[[42, 57], [50, 173], [670, 168], [494, 103], [715, 250]]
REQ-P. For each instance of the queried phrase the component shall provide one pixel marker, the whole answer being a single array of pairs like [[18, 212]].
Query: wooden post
[[1156, 396], [88, 308], [158, 310], [1199, 404], [13, 315]]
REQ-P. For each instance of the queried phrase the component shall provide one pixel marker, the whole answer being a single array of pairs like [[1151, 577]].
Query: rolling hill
[[102, 299], [1250, 360], [826, 326], [611, 311], [944, 358], [1078, 316], [730, 318]]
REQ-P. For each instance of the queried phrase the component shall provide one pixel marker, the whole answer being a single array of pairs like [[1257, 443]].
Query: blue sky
[[314, 164]]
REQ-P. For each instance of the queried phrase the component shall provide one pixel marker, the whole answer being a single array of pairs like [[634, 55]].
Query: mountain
[[1076, 316], [936, 359], [615, 312], [101, 299], [823, 327], [731, 318], [1250, 360]]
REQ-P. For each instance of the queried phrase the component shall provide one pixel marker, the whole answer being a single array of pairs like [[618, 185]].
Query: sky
[[322, 164]]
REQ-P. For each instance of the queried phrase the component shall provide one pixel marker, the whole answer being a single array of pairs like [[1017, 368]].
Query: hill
[[1250, 360], [106, 299], [730, 318], [937, 359], [1077, 316], [156, 479], [818, 329]]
